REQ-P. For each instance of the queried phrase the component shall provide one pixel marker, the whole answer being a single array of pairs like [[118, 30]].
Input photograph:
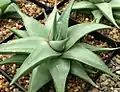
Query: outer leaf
[[64, 19], [4, 2], [24, 45], [78, 70], [42, 52], [96, 48], [118, 21], [51, 23], [59, 70], [116, 14], [97, 15], [115, 4], [106, 10], [97, 1], [17, 59], [12, 15], [85, 56], [83, 5], [10, 12], [40, 76], [77, 31], [19, 33], [33, 27]]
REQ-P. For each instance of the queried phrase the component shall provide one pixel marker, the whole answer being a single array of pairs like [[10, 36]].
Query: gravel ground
[[81, 17], [105, 82], [32, 10], [29, 8], [114, 34], [74, 84], [8, 23], [91, 40], [49, 3]]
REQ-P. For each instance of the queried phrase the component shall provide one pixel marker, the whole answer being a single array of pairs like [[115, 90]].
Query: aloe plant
[[99, 8], [52, 51], [6, 10]]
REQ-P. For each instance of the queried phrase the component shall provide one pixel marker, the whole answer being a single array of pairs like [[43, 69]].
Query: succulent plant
[[52, 51], [99, 8], [6, 11]]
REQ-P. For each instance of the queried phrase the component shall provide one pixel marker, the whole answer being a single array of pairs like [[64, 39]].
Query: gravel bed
[[8, 23], [113, 33], [32, 10], [81, 17], [29, 8], [49, 3], [91, 40], [105, 82]]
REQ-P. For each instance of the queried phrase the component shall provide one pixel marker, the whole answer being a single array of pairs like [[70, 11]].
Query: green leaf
[[97, 15], [97, 1], [59, 70], [33, 27], [97, 48], [118, 21], [17, 59], [19, 33], [40, 76], [78, 70], [87, 57], [58, 45], [10, 8], [10, 12], [3, 3], [116, 14], [83, 5], [115, 4], [12, 15], [78, 31], [106, 10], [64, 20], [42, 52], [51, 24], [23, 45]]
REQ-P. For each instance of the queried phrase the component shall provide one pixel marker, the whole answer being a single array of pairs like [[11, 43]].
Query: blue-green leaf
[[78, 70], [42, 52], [41, 74], [17, 59], [97, 15], [23, 45], [64, 20], [83, 5], [33, 27], [87, 57], [19, 33], [78, 31], [59, 70], [97, 48], [106, 10]]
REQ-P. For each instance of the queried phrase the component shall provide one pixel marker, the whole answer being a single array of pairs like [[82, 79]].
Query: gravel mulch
[[29, 8], [49, 3], [105, 82], [113, 33], [8, 23]]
